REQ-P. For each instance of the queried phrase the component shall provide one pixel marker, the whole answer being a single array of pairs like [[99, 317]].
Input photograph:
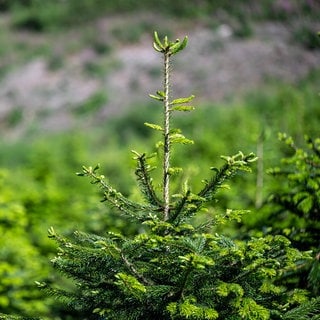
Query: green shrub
[[293, 207], [37, 192], [20, 260]]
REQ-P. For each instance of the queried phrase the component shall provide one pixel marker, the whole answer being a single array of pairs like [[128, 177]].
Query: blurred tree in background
[[293, 208]]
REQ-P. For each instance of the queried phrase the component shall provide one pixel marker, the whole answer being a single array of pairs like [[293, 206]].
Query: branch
[[116, 199], [142, 173], [135, 272]]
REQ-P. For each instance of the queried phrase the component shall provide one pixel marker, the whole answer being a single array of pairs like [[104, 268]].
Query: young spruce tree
[[293, 208], [176, 269]]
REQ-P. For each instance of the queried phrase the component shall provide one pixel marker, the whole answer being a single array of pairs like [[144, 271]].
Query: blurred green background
[[74, 82]]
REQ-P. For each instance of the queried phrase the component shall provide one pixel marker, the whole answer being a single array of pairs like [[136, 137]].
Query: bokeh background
[[74, 82]]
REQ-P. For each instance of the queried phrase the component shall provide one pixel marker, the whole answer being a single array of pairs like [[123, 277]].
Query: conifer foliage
[[175, 269], [293, 207]]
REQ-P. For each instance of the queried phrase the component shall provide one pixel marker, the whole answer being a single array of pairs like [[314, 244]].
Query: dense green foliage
[[21, 263], [177, 273], [293, 207], [174, 268], [33, 197]]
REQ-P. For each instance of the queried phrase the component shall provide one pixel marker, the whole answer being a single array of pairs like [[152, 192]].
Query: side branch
[[135, 272], [142, 173], [117, 199]]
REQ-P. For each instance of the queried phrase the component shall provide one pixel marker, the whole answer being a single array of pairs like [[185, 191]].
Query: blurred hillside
[[69, 63]]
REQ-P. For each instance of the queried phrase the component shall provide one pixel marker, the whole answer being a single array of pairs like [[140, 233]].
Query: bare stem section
[[166, 146]]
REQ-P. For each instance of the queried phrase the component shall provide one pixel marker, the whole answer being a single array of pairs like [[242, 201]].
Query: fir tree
[[293, 207], [176, 269]]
